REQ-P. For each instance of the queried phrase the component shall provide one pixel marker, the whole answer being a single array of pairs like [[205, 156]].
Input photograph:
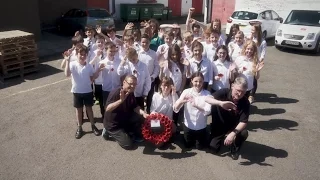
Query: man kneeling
[[123, 117], [228, 126]]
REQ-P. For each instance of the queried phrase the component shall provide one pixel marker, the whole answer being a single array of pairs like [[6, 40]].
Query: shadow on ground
[[150, 150], [298, 52], [273, 99], [272, 124], [267, 111], [255, 153], [44, 70]]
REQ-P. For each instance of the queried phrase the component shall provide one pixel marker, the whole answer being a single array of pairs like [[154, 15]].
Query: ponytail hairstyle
[[255, 53], [234, 26], [224, 48]]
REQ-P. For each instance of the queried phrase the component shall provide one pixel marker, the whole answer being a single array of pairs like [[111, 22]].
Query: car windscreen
[[98, 13], [244, 15], [305, 18]]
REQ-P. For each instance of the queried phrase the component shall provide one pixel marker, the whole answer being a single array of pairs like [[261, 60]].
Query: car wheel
[[317, 48], [264, 35], [279, 47]]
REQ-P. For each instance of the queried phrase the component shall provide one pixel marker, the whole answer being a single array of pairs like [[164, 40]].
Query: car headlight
[[311, 36], [279, 32]]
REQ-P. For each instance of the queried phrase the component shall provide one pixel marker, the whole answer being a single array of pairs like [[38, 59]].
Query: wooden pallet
[[19, 73], [10, 37], [10, 49], [14, 66]]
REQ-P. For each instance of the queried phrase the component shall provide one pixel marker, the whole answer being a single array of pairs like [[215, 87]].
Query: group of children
[[173, 69]]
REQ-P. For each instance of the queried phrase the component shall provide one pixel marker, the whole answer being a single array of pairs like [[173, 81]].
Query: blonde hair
[[130, 52], [255, 53], [188, 34]]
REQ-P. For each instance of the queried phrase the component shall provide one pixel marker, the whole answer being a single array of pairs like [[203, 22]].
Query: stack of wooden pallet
[[18, 54]]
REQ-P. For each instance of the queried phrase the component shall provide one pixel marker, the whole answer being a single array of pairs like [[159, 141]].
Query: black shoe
[[95, 130], [79, 133], [234, 152]]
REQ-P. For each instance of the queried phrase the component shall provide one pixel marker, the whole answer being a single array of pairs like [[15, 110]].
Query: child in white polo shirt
[[95, 57], [196, 111], [77, 41], [110, 77], [132, 66], [150, 58], [82, 74]]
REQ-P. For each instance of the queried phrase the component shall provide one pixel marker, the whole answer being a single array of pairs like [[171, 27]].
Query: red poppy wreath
[[161, 136]]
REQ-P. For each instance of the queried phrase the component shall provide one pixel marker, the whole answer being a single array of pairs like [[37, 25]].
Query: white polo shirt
[[209, 51], [96, 64], [139, 70], [243, 61], [221, 68], [150, 58], [194, 118], [81, 77], [205, 69], [234, 50], [175, 74], [110, 77], [163, 105]]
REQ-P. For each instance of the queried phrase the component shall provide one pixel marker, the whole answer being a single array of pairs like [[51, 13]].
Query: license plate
[[101, 22], [292, 43]]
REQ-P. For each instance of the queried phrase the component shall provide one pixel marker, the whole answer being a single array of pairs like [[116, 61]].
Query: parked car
[[269, 20], [301, 30], [77, 19]]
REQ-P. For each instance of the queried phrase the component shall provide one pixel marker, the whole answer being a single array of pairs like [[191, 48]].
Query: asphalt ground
[[37, 128]]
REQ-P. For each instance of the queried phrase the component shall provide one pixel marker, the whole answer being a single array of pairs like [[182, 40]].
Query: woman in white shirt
[[248, 65], [223, 69], [196, 111]]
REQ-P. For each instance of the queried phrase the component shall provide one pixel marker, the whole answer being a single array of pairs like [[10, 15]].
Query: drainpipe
[[205, 18]]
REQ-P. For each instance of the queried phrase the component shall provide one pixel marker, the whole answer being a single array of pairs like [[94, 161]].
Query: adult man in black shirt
[[123, 117], [228, 126]]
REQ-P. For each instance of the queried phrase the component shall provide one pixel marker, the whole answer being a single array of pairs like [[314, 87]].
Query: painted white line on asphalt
[[35, 88]]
